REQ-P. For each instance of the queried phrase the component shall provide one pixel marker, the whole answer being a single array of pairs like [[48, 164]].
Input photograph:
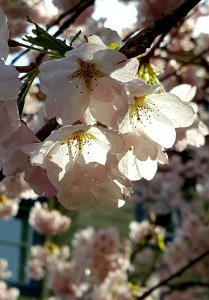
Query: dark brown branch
[[72, 19], [65, 14], [45, 131], [174, 275], [140, 42]]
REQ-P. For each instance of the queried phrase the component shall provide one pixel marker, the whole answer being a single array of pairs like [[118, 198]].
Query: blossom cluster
[[112, 127], [7, 292]]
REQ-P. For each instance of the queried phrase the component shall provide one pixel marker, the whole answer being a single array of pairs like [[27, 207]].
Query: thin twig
[[69, 21], [174, 275]]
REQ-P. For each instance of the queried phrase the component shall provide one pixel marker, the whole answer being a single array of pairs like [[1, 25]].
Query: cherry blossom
[[45, 221], [193, 135], [150, 113], [81, 82], [8, 207], [15, 153], [8, 293], [42, 256], [78, 160], [115, 286], [141, 157]]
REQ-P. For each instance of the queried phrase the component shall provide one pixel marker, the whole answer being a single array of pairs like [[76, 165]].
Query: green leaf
[[45, 40], [75, 38], [25, 88]]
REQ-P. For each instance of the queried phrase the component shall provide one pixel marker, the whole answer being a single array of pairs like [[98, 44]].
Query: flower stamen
[[87, 73], [77, 140]]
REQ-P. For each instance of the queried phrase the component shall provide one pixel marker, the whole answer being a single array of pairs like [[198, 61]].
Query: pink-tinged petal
[[106, 88], [16, 163], [9, 118], [39, 182], [115, 140], [108, 194], [20, 138], [69, 103], [76, 197], [9, 82], [109, 113]]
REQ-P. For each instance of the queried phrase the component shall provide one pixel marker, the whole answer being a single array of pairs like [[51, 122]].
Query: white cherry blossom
[[82, 144], [92, 185], [155, 114], [89, 73], [193, 135], [141, 157]]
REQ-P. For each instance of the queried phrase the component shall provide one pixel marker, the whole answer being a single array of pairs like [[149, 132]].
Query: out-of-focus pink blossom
[[42, 256], [8, 293], [45, 221], [8, 207]]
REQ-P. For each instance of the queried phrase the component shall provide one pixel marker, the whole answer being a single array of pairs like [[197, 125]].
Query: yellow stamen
[[140, 107], [77, 140], [51, 247], [87, 73], [3, 199]]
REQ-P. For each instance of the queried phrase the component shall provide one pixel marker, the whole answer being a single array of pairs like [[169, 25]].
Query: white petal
[[179, 113], [158, 128], [185, 92], [135, 169]]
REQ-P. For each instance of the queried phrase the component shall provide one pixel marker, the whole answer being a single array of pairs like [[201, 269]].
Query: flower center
[[140, 108], [51, 247], [3, 199], [87, 73], [77, 140]]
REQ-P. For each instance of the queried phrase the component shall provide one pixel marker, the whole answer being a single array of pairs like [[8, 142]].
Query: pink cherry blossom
[[45, 221], [8, 207]]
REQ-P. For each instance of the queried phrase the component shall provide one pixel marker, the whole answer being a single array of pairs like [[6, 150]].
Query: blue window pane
[[10, 231]]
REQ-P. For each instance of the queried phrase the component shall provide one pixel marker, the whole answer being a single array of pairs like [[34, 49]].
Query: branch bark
[[140, 42]]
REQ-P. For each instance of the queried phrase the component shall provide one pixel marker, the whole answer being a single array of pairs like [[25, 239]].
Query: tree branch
[[140, 42], [174, 275]]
